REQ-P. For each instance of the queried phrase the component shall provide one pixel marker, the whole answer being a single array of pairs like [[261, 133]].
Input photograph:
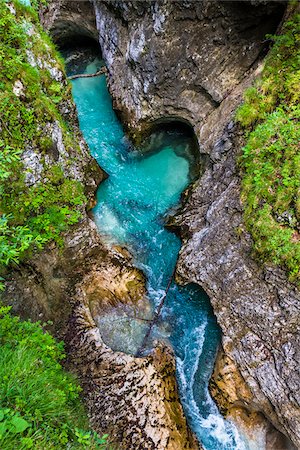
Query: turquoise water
[[131, 208]]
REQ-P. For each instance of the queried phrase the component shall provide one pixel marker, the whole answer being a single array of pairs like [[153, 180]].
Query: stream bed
[[132, 203]]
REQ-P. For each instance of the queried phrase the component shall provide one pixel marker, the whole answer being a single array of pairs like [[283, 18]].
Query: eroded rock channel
[[142, 186], [215, 50]]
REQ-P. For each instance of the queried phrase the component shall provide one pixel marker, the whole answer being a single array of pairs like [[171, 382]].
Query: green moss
[[32, 216], [270, 116]]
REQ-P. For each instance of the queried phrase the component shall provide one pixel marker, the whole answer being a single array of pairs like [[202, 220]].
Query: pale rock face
[[55, 72], [33, 167], [159, 17], [136, 46], [57, 138], [31, 58], [11, 8], [231, 393], [30, 30], [103, 28], [50, 64], [193, 61], [197, 70], [18, 88]]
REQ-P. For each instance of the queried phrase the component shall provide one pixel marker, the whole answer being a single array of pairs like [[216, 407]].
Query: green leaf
[[3, 428], [19, 424]]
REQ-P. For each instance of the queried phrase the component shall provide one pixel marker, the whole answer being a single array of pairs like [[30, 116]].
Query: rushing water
[[132, 203]]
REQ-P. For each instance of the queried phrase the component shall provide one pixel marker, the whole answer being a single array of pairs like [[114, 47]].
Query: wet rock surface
[[193, 62], [68, 286], [135, 400], [179, 58], [257, 308], [69, 21], [189, 61], [237, 403]]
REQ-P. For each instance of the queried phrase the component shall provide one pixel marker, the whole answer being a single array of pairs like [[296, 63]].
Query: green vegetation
[[30, 100], [39, 401], [271, 156], [40, 406]]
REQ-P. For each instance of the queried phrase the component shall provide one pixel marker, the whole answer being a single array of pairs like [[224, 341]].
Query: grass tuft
[[40, 406]]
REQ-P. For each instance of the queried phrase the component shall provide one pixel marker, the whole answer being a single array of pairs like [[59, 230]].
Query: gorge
[[176, 72], [130, 205]]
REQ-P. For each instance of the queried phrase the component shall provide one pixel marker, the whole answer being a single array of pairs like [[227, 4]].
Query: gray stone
[[192, 61], [196, 69]]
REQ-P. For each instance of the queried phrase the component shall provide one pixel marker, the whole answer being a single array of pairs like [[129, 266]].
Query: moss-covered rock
[[270, 116], [43, 159]]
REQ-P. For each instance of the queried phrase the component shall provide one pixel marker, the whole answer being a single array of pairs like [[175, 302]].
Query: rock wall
[[69, 21], [192, 61], [135, 400], [179, 58], [257, 308], [232, 394]]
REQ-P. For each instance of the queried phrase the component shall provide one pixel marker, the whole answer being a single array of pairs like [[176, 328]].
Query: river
[[143, 186]]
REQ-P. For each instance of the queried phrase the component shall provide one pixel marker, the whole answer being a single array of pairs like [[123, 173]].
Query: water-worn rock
[[179, 59], [257, 308], [69, 21], [193, 61], [236, 402], [134, 399]]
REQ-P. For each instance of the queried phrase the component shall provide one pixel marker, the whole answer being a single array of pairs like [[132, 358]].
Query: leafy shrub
[[270, 163], [39, 402], [14, 241]]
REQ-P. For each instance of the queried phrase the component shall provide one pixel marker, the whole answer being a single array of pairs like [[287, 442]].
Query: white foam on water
[[146, 269], [188, 371], [219, 428], [224, 432], [110, 224], [156, 295]]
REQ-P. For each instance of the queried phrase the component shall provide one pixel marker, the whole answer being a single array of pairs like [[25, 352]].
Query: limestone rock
[[257, 307], [69, 20], [135, 400], [193, 63], [33, 166], [179, 59], [18, 88], [235, 400]]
